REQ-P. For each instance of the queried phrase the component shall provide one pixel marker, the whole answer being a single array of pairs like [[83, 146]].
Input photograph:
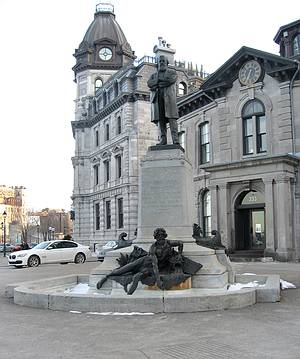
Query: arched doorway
[[250, 231]]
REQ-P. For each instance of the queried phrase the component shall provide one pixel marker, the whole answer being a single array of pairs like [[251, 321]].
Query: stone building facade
[[243, 131], [112, 127], [12, 201]]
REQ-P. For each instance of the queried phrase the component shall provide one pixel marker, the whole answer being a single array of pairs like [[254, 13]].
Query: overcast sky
[[37, 90]]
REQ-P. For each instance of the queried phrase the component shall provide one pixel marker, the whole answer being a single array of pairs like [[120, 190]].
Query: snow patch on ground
[[118, 313], [286, 285], [248, 274], [239, 286], [80, 288]]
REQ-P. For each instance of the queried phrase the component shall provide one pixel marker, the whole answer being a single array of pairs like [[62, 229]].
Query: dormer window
[[296, 45], [98, 84]]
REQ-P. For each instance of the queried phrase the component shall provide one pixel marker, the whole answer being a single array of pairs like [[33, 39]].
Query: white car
[[60, 251], [102, 250]]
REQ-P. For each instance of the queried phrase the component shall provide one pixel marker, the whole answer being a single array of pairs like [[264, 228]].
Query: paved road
[[268, 331]]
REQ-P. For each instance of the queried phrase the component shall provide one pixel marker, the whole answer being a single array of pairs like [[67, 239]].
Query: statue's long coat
[[171, 110]]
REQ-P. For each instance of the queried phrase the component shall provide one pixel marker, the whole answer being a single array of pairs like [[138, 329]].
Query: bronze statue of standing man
[[163, 100]]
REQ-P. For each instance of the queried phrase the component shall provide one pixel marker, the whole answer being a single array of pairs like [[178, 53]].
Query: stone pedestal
[[165, 194], [165, 200]]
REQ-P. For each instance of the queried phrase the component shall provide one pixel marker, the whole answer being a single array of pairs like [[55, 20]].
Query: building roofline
[[284, 27]]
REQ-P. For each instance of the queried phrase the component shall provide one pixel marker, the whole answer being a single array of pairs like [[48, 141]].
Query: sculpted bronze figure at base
[[163, 265]]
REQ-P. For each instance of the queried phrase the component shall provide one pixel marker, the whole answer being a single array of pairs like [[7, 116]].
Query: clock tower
[[102, 52]]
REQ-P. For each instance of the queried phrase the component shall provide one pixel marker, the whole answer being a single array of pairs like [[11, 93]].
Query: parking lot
[[260, 331]]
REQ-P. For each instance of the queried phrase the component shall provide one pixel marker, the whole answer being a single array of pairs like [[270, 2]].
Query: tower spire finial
[[105, 7]]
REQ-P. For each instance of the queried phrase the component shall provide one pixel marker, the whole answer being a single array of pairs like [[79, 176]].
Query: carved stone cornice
[[111, 107]]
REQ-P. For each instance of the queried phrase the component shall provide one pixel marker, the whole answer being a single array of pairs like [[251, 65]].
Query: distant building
[[112, 127], [53, 224], [12, 201]]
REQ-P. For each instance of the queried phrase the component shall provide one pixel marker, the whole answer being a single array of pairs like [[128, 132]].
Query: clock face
[[105, 54], [250, 72]]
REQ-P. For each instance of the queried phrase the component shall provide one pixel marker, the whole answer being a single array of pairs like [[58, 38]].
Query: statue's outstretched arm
[[178, 244]]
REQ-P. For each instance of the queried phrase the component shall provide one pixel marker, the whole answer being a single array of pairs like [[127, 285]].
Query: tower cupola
[[104, 45]]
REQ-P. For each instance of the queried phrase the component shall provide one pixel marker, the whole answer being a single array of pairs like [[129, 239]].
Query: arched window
[[182, 89], [296, 45], [206, 213], [98, 84], [254, 128]]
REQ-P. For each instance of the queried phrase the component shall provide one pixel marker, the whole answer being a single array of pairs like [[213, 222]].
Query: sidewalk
[[261, 331]]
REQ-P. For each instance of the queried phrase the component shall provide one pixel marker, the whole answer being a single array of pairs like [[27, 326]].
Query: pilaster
[[269, 218], [214, 207], [283, 218], [224, 210]]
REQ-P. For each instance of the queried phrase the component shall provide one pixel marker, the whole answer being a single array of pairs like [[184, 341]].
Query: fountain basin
[[56, 294]]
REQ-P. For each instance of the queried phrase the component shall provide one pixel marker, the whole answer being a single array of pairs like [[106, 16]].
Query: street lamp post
[[4, 233], [51, 230], [38, 232]]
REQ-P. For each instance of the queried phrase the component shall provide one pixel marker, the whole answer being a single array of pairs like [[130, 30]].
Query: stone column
[[269, 218], [224, 204], [283, 218], [297, 224], [214, 207]]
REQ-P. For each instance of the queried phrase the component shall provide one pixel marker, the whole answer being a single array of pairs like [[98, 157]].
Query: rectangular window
[[82, 85], [96, 175], [106, 170], [261, 134], [204, 143], [181, 138], [96, 138], [108, 215], [248, 136], [106, 132], [119, 125], [118, 166], [207, 214], [97, 216], [120, 213]]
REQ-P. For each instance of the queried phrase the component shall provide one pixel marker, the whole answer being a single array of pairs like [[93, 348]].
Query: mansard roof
[[106, 27], [283, 28]]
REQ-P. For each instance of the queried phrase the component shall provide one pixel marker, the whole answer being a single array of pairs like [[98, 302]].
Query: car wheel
[[80, 258], [33, 261]]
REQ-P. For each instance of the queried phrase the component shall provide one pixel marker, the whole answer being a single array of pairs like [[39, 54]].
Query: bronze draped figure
[[162, 265]]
